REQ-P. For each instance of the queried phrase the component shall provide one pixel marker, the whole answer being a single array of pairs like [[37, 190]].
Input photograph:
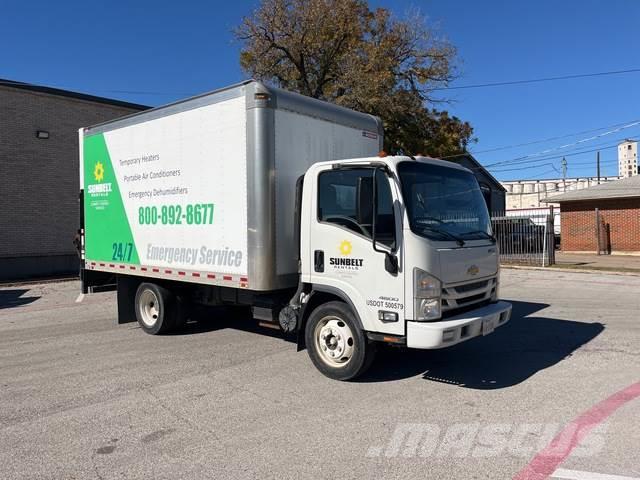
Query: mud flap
[[127, 287]]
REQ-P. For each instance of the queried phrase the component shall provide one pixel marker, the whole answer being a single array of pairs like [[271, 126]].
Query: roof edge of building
[[624, 188], [557, 199], [70, 94], [478, 165]]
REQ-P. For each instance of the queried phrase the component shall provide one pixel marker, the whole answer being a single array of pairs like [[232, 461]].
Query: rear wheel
[[155, 308], [336, 346]]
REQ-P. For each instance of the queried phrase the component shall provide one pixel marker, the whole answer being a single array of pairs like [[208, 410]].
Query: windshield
[[444, 203]]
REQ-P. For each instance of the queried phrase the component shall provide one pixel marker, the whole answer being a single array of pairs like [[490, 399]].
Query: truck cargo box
[[203, 190]]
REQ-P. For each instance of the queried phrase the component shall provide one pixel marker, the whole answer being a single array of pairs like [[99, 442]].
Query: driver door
[[341, 248]]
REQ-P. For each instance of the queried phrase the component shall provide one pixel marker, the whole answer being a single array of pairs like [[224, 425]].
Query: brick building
[[39, 174], [618, 210]]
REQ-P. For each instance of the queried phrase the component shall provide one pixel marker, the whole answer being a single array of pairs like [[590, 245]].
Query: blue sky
[[155, 52]]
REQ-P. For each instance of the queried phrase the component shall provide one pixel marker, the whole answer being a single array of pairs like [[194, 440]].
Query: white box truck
[[255, 196]]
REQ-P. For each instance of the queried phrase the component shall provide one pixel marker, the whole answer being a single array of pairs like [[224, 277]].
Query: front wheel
[[336, 346]]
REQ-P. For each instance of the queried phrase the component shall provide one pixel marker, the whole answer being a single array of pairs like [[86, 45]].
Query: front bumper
[[459, 328]]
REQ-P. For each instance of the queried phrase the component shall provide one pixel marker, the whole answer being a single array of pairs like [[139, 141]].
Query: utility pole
[[598, 165], [564, 174]]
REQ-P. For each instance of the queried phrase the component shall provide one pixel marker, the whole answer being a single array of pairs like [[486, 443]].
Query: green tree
[[344, 52]]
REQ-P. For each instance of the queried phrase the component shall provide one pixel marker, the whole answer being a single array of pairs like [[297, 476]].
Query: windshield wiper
[[482, 232], [445, 233]]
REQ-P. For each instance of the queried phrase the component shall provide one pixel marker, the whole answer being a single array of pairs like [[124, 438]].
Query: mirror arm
[[391, 260]]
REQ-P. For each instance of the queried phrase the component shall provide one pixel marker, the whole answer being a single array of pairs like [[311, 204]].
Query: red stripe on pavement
[[547, 460]]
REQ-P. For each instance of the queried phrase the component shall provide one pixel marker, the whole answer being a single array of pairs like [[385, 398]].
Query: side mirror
[[391, 263]]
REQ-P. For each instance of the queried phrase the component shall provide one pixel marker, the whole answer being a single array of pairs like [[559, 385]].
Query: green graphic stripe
[[108, 234]]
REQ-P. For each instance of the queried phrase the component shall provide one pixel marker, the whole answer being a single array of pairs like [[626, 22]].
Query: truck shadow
[[510, 355], [14, 298], [209, 319]]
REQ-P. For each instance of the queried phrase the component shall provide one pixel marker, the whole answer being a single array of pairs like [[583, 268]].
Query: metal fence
[[526, 237]]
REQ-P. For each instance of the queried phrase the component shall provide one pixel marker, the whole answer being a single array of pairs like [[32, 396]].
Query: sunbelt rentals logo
[[346, 247], [345, 261], [99, 189], [98, 172]]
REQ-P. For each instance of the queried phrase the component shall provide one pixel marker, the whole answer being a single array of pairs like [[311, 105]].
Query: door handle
[[318, 261]]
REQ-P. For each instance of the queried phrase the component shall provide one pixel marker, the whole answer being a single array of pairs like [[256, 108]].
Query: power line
[[608, 163], [602, 162], [550, 164], [528, 167], [571, 154], [573, 144], [543, 173], [538, 80], [544, 140]]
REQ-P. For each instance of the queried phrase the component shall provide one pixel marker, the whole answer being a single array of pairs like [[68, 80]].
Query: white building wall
[[523, 194], [628, 158]]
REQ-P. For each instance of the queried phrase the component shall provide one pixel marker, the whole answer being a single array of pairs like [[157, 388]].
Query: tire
[[336, 345], [156, 309]]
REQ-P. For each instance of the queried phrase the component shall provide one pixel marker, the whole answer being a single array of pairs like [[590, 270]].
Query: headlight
[[427, 291]]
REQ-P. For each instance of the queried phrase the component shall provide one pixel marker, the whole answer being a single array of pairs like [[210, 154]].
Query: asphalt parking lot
[[82, 397]]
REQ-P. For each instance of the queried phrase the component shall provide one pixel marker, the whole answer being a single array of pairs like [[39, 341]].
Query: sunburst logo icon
[[346, 247], [98, 172]]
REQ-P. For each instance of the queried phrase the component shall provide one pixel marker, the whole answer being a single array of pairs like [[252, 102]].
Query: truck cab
[[394, 249]]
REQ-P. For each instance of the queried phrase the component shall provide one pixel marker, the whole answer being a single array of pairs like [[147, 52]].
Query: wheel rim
[[334, 341], [149, 308]]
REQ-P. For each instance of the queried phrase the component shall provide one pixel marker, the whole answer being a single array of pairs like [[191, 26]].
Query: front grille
[[471, 299], [467, 287], [466, 295], [450, 313]]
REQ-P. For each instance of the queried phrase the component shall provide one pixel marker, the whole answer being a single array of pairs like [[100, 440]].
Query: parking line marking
[[578, 475], [548, 459], [80, 297]]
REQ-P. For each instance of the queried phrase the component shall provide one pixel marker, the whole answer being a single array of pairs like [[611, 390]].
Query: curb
[[576, 270], [36, 281]]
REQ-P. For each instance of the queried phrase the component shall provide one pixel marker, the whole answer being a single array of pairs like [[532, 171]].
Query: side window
[[385, 220], [345, 198]]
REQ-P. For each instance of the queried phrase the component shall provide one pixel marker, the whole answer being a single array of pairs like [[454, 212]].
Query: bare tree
[[344, 52]]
